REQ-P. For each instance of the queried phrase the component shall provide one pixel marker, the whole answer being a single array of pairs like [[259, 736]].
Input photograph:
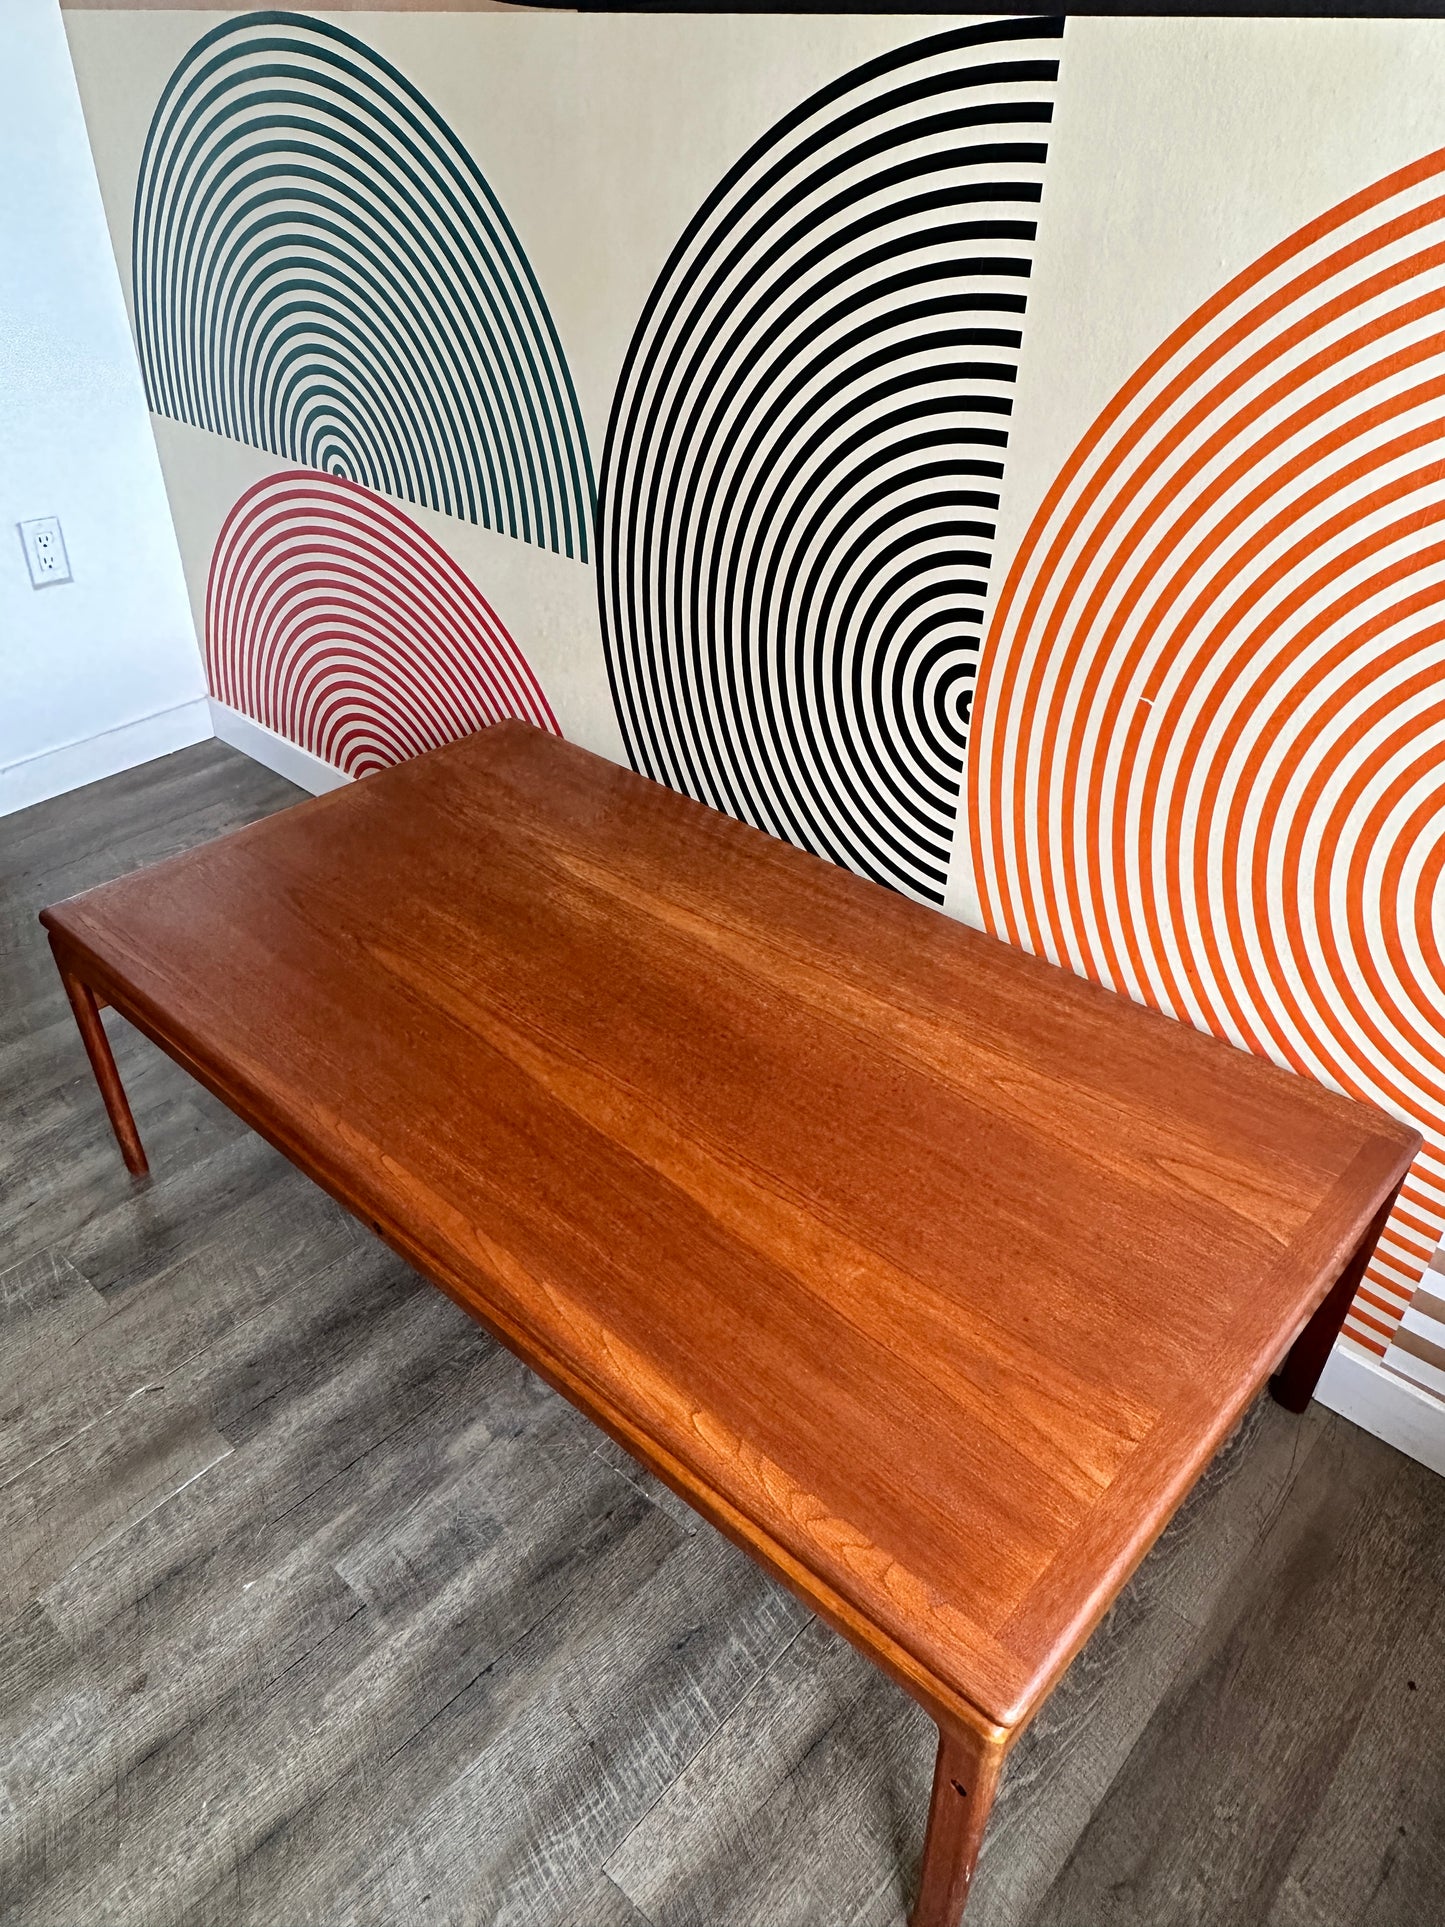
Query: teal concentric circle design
[[321, 270]]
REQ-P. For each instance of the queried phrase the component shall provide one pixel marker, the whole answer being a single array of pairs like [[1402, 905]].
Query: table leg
[[965, 1779], [1294, 1383], [97, 1048]]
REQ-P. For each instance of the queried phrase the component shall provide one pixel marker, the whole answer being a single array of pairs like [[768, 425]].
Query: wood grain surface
[[554, 1704], [932, 1274]]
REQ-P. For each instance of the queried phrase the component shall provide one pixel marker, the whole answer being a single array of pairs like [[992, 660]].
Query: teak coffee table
[[929, 1273]]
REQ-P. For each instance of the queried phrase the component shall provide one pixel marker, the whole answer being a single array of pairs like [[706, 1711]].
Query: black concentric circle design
[[804, 457], [321, 270]]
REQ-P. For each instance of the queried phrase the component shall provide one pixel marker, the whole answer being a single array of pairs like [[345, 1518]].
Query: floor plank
[[321, 1609], [1214, 1801], [46, 1311], [605, 1905], [105, 1477], [809, 1802], [1374, 1851]]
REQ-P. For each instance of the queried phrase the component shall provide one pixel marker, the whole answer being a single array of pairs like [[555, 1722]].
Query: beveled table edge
[[1023, 1688]]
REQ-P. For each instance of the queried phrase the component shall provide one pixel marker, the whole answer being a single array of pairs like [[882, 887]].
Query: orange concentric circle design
[[1208, 762]]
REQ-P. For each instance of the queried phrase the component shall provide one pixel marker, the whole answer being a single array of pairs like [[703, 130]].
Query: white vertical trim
[[277, 753], [1383, 1403], [34, 779]]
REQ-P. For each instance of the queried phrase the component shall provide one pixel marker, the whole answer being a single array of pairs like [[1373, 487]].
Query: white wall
[[103, 672]]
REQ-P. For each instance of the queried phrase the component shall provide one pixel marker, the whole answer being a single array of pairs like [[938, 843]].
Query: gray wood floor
[[315, 1606]]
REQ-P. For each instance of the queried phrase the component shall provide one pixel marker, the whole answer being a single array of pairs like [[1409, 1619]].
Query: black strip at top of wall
[[1177, 9]]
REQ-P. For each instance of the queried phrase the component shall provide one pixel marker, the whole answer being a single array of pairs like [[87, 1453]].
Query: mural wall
[[319, 268], [1016, 466], [806, 450], [334, 621], [1211, 767]]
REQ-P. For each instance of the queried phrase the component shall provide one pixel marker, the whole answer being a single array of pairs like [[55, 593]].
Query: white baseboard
[[35, 779], [263, 745], [1383, 1403]]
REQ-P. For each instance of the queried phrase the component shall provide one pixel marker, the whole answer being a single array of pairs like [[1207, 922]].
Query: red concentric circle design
[[1208, 765], [334, 620]]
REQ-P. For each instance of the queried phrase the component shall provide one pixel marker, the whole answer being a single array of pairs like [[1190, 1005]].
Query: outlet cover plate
[[45, 555]]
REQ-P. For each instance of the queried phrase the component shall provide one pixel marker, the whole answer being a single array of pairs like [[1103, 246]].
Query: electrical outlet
[[45, 551]]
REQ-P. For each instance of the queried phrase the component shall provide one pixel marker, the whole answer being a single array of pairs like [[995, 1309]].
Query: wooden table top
[[930, 1272]]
